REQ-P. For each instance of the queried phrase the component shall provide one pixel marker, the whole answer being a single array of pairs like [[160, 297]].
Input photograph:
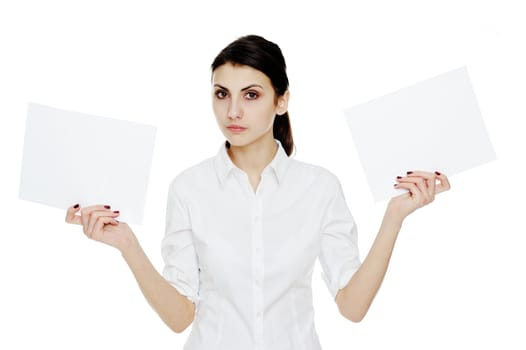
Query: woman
[[245, 227]]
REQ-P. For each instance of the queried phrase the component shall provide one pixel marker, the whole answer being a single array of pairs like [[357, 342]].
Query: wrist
[[130, 247], [392, 220]]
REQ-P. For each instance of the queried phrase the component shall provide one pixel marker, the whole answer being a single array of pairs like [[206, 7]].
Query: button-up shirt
[[245, 257]]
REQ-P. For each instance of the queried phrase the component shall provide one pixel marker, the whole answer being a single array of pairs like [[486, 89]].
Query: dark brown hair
[[257, 52]]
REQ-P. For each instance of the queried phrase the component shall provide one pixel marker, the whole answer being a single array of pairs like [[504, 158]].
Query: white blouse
[[246, 258]]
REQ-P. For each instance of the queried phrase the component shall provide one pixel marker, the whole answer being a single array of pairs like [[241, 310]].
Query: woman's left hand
[[422, 187]]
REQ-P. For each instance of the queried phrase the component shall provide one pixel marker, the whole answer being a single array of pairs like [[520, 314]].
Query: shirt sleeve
[[177, 248], [339, 256]]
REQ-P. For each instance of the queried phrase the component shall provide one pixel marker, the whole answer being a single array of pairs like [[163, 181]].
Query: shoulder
[[193, 176], [313, 173]]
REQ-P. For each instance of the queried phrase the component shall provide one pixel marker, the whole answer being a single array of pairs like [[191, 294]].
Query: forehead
[[239, 76]]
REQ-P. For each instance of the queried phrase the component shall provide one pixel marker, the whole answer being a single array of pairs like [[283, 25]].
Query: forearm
[[421, 187], [356, 297], [174, 309]]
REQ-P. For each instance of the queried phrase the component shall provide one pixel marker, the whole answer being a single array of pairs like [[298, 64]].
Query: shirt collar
[[224, 165]]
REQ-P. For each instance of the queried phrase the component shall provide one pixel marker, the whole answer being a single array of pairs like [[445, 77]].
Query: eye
[[251, 95], [220, 94]]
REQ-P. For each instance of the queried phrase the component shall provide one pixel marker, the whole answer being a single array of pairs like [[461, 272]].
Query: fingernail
[[107, 207], [76, 206], [436, 172], [398, 177], [409, 172], [116, 211], [395, 185]]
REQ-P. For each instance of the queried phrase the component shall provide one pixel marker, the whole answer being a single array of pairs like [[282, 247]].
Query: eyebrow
[[243, 89]]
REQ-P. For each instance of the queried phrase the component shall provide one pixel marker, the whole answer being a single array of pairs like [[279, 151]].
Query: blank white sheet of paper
[[71, 157], [434, 125]]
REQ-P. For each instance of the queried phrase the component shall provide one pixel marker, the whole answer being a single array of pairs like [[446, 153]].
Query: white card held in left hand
[[434, 125]]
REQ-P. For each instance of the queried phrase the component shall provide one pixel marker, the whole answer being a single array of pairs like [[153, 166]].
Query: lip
[[236, 128]]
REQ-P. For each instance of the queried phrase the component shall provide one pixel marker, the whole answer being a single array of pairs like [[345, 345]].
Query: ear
[[283, 103]]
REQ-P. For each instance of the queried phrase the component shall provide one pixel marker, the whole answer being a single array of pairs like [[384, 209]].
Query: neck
[[253, 158]]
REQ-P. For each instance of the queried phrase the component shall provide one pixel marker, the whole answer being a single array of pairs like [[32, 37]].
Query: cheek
[[270, 116], [264, 113], [218, 108]]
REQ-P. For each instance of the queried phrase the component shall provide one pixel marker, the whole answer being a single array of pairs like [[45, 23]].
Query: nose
[[234, 109]]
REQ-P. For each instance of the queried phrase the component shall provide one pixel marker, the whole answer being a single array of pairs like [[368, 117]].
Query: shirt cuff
[[181, 282], [340, 281]]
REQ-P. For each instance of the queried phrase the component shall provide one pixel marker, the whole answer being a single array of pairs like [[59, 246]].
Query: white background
[[456, 278]]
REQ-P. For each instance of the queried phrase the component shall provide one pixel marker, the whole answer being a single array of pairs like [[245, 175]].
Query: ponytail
[[283, 132]]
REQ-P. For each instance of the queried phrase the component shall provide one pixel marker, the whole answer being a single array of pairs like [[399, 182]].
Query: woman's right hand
[[99, 223]]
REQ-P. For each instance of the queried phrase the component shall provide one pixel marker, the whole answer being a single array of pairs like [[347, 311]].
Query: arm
[[356, 297], [175, 309], [99, 224]]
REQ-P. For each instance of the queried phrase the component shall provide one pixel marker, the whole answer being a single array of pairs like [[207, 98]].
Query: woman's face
[[245, 104]]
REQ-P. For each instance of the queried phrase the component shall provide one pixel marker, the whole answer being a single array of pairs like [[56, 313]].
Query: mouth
[[236, 128]]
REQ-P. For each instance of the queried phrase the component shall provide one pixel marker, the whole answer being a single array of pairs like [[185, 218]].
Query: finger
[[96, 216], [98, 229], [421, 173], [87, 211], [71, 217], [420, 182], [419, 196], [414, 192], [443, 183], [430, 182]]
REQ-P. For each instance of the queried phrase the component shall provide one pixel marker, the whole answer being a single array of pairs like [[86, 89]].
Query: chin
[[236, 140], [237, 143], [243, 140]]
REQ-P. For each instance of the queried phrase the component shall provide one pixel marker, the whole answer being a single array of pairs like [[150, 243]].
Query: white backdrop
[[456, 278]]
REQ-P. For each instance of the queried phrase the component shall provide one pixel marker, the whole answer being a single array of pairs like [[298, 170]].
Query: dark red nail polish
[[398, 177], [116, 211], [76, 206], [409, 172], [436, 172], [395, 185], [107, 207]]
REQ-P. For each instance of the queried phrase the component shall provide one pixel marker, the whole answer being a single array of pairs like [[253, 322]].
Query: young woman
[[245, 227]]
